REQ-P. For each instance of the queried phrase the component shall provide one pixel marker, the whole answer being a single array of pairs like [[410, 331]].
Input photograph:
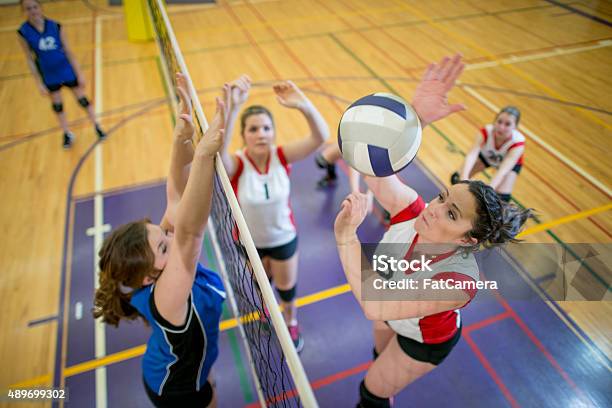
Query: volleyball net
[[278, 375]]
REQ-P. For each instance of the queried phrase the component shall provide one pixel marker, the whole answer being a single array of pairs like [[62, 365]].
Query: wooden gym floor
[[552, 59]]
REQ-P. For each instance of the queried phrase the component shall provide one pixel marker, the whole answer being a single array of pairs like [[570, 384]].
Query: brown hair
[[125, 260], [253, 110], [512, 111], [21, 2]]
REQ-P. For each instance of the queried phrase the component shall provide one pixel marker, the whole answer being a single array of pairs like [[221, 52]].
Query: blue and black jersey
[[51, 59], [178, 359]]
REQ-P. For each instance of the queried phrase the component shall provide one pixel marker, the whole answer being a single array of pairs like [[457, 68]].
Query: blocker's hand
[[430, 98], [184, 128], [288, 94]]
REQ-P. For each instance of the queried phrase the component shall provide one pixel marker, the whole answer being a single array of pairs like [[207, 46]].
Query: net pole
[[296, 369]]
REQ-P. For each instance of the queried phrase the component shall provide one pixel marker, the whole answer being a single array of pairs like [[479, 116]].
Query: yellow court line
[[301, 302], [516, 70], [565, 220], [32, 382], [139, 350]]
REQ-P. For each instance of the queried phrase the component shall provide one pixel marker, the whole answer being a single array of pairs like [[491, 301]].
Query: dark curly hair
[[496, 221]]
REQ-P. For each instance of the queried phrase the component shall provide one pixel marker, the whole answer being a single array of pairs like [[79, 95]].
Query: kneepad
[[57, 107], [287, 295], [369, 400], [505, 197], [83, 101]]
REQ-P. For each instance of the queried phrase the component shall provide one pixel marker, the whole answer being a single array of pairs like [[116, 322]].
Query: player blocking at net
[[260, 177], [152, 272]]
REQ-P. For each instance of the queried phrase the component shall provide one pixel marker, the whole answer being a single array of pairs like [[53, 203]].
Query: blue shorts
[[56, 87]]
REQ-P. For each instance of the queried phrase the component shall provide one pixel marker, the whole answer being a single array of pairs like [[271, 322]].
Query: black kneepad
[[57, 107], [369, 400], [83, 101], [505, 197], [287, 295]]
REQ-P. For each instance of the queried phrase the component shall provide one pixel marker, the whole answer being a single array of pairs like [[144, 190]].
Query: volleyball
[[379, 134]]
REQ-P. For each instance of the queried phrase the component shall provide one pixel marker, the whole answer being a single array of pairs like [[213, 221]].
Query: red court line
[[502, 386], [330, 379], [557, 159], [488, 59], [538, 344], [543, 180], [487, 365], [290, 52], [500, 18], [478, 126], [486, 322], [362, 35], [247, 34]]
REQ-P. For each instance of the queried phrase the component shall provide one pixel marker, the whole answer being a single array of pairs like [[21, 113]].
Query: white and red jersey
[[438, 327], [493, 154], [264, 198]]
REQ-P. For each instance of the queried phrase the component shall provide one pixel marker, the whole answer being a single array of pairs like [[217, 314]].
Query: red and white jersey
[[438, 327], [494, 155], [264, 198]]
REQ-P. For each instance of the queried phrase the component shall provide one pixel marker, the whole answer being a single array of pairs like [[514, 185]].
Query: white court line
[[516, 59], [99, 227], [513, 59], [68, 21], [542, 143]]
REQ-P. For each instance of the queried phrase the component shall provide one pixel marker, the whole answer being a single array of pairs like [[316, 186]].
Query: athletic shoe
[[455, 178], [68, 140], [100, 132], [296, 337]]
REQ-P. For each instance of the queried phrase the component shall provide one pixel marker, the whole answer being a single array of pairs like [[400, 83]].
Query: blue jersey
[[51, 58], [178, 359]]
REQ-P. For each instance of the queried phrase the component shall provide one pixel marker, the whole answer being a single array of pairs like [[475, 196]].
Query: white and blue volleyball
[[379, 134]]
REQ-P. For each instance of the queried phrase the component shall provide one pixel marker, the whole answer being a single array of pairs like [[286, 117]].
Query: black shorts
[[195, 399], [56, 87], [280, 253], [516, 168], [428, 353]]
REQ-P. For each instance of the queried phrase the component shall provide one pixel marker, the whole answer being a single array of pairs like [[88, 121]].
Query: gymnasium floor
[[550, 58], [513, 352]]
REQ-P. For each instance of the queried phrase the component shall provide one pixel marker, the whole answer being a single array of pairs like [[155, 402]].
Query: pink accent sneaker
[[296, 337]]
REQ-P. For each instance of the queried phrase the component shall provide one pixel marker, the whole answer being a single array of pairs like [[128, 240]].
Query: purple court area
[[513, 353]]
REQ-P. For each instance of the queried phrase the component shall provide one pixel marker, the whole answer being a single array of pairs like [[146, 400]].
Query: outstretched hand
[[353, 211], [289, 95], [212, 140], [430, 98], [184, 128], [239, 91]]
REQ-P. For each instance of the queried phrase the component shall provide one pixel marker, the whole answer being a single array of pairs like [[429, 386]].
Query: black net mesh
[[268, 360]]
